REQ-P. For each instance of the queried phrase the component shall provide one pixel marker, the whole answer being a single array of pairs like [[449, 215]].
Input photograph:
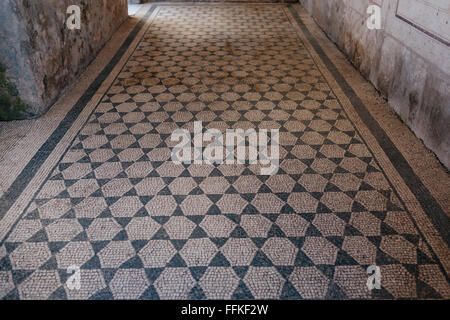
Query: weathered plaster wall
[[410, 68], [42, 55]]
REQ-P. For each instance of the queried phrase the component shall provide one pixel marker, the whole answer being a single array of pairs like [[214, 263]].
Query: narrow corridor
[[104, 195]]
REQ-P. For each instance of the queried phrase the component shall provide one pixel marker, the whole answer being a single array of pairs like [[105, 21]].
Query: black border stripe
[[434, 211], [30, 170]]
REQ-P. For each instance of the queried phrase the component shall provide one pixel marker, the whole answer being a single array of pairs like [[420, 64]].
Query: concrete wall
[[42, 55], [410, 66]]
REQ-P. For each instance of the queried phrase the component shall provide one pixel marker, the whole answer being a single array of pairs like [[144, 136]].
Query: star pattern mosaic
[[141, 227]]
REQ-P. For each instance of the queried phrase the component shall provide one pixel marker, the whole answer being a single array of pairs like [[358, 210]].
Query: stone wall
[[409, 65], [42, 56]]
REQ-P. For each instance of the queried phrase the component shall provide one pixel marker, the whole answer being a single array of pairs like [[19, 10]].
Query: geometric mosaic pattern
[[141, 227]]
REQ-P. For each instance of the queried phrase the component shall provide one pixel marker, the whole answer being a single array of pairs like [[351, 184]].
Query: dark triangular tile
[[139, 244], [275, 231], [178, 243], [313, 232], [59, 294], [285, 271], [344, 259], [240, 271], [55, 247], [161, 235], [327, 270], [384, 259], [99, 245], [336, 240], [335, 292], [123, 221], [424, 291], [20, 275], [219, 261], [261, 260], [219, 242], [153, 273], [238, 232], [321, 208], [351, 231], [242, 292], [249, 209], [331, 188], [51, 264], [93, 263], [133, 263], [176, 262], [121, 236], [197, 293], [358, 207], [198, 233], [386, 229], [85, 222], [289, 292], [150, 294], [40, 236], [197, 272]]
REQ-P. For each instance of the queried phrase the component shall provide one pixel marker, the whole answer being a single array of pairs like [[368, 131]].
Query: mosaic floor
[[141, 227]]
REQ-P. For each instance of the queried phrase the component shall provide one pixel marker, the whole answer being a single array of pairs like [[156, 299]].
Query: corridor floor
[[103, 195]]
